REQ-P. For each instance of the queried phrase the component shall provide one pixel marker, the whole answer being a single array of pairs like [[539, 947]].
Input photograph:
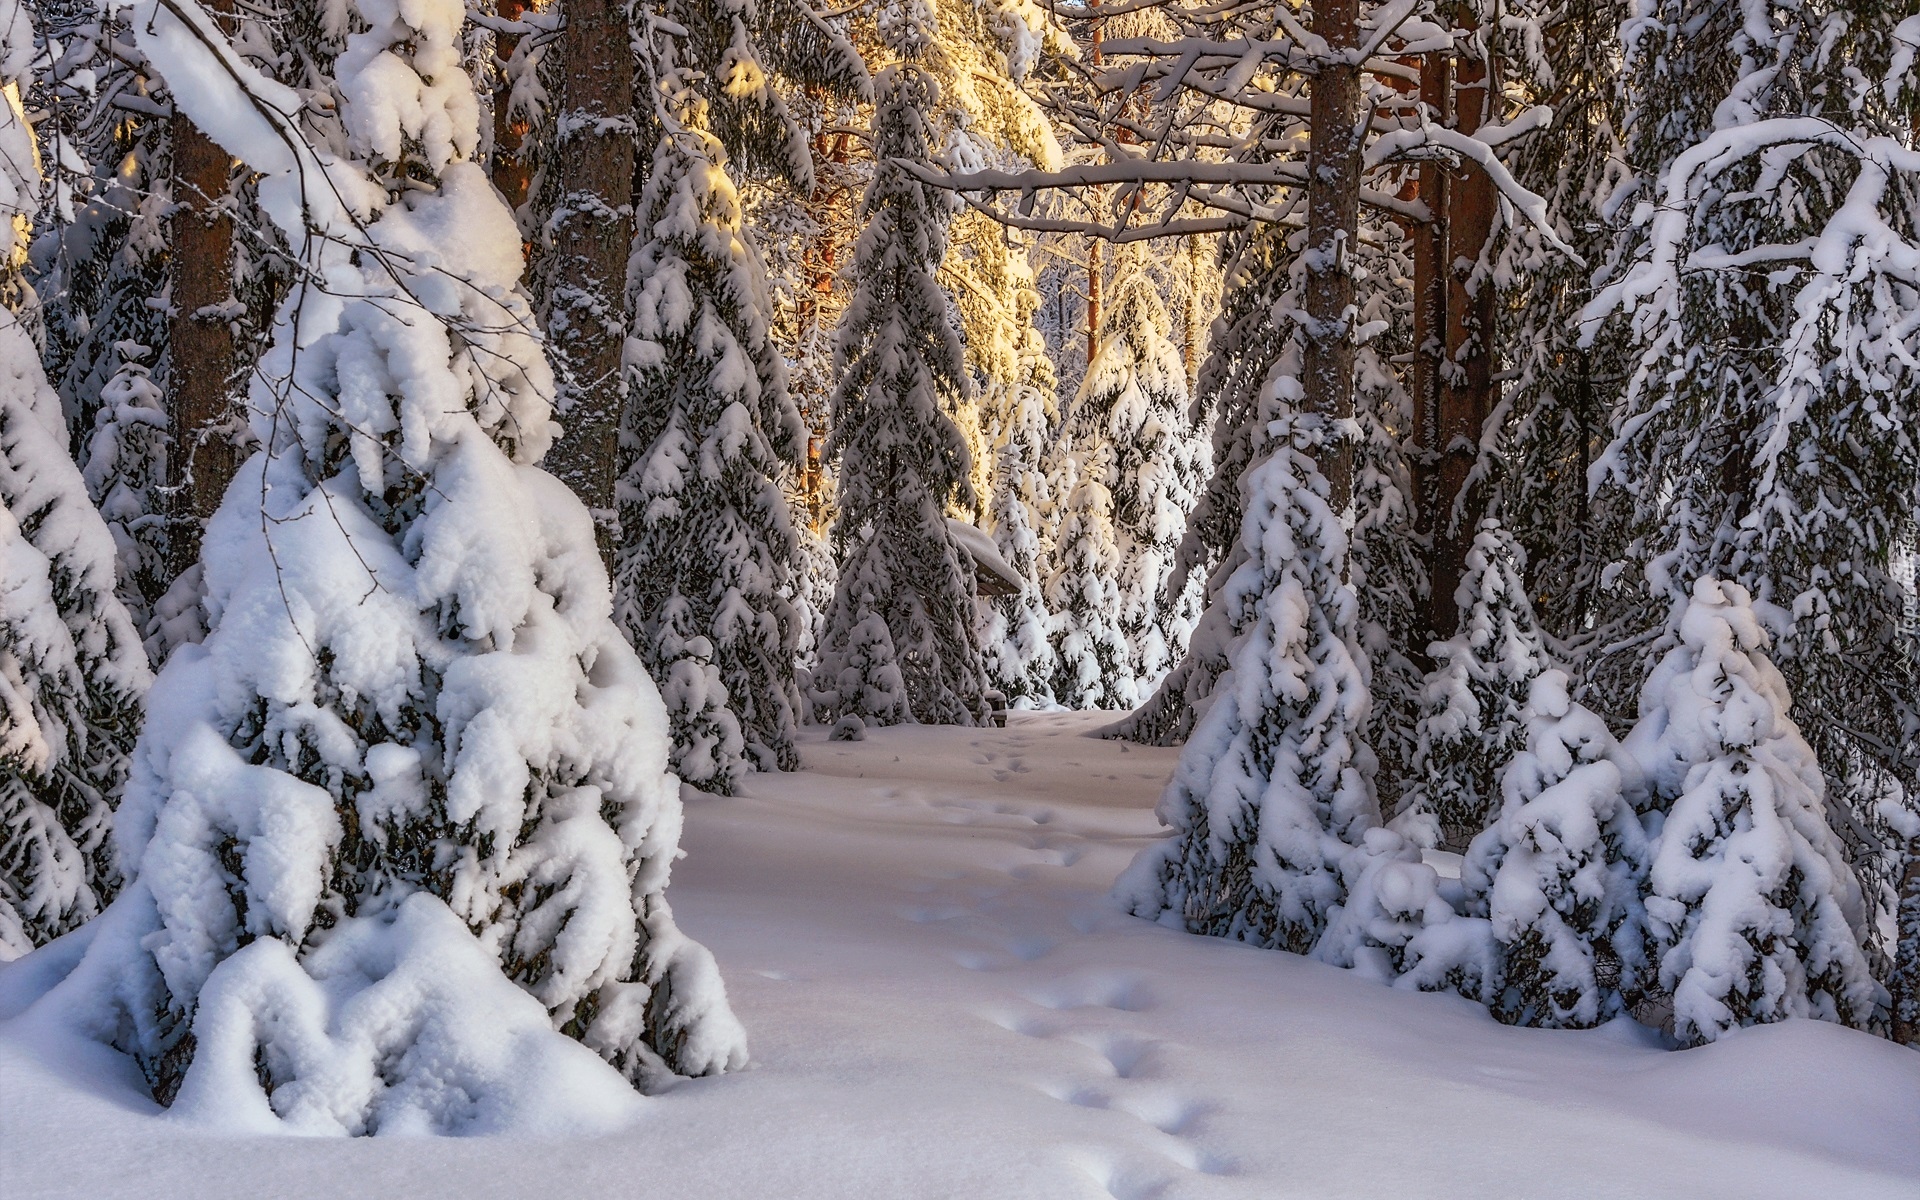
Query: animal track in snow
[[929, 914], [1119, 990], [1123, 1052], [1013, 952]]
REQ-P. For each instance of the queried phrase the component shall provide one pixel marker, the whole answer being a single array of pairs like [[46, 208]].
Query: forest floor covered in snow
[[943, 1003]]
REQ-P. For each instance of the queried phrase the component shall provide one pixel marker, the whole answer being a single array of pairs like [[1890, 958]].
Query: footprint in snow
[[1118, 990]]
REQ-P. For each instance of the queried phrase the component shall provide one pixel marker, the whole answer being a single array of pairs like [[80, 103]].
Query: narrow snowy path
[[943, 1003]]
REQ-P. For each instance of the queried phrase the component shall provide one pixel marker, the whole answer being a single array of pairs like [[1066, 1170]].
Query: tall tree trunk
[[1429, 245], [510, 171], [587, 265], [1338, 142], [1466, 386], [200, 330]]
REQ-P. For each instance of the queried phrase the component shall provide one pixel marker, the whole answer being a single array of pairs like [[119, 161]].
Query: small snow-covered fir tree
[[72, 672], [706, 536], [1245, 347], [1472, 723], [1133, 406], [1755, 914], [126, 474], [1766, 430], [1015, 649], [900, 458], [1273, 792], [414, 759], [1560, 872], [1092, 662]]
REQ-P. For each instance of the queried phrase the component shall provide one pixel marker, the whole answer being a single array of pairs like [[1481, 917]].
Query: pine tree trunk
[[1429, 245], [1466, 387], [510, 172], [593, 235], [200, 332], [1338, 141]]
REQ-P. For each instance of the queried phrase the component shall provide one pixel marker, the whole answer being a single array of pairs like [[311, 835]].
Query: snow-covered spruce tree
[[1755, 914], [72, 672], [414, 759], [126, 474], [1272, 793], [900, 459], [1092, 662], [1015, 648], [1473, 723], [1133, 406], [1243, 350], [707, 544], [1767, 431], [1559, 873]]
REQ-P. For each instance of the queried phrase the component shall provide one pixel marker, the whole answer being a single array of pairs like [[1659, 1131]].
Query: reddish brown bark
[[1334, 157], [200, 331], [1429, 249], [1467, 391], [1093, 247]]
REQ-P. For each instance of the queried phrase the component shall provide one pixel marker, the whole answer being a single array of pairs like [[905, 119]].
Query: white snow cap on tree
[[1273, 790], [1756, 915], [414, 758], [1473, 723], [72, 672], [1559, 873]]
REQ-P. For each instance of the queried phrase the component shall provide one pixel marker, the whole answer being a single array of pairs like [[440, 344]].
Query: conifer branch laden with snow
[[707, 541], [411, 793], [73, 674]]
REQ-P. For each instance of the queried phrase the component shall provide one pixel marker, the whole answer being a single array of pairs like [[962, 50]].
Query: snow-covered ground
[[942, 1003]]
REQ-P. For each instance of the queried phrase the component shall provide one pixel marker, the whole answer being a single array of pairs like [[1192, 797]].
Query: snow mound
[[401, 1026]]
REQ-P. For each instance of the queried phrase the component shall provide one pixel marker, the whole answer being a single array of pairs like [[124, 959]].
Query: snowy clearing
[[942, 1002]]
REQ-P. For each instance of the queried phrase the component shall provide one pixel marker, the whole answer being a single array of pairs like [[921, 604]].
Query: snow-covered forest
[[462, 458]]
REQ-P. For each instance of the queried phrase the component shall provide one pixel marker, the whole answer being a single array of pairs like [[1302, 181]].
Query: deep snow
[[942, 1002]]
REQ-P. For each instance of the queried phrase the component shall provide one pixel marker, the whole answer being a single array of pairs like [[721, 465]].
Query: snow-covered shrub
[[413, 737], [1024, 511], [1244, 348], [1560, 872], [1092, 662], [1398, 922], [126, 469], [706, 537], [900, 457], [1272, 791], [72, 671], [1755, 914], [1472, 721], [866, 686], [1132, 407]]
